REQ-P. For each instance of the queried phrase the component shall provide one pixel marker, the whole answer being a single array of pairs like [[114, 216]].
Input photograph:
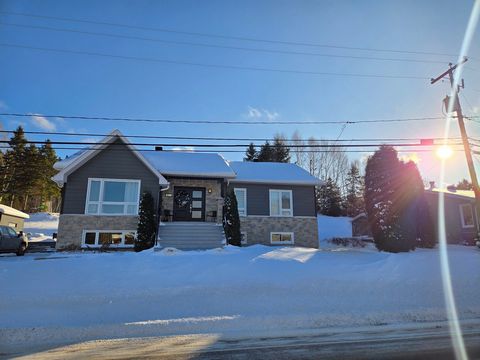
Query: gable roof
[[272, 173], [7, 210], [72, 163], [461, 194]]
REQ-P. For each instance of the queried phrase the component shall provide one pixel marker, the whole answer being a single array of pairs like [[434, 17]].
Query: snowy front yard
[[53, 297]]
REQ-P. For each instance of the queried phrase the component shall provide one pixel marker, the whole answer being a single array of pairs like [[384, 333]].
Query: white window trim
[[99, 203], [465, 226], [244, 200], [282, 242], [280, 204], [97, 237]]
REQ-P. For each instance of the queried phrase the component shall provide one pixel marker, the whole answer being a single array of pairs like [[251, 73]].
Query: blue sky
[[51, 83]]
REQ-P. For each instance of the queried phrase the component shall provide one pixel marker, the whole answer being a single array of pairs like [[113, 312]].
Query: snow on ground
[[330, 227], [41, 226], [83, 295]]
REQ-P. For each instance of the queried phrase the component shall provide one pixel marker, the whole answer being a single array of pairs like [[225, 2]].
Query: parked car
[[11, 241]]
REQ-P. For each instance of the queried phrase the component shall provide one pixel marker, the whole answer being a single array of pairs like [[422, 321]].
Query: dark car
[[11, 241]]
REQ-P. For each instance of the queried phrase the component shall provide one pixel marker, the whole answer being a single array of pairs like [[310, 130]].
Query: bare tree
[[298, 151]]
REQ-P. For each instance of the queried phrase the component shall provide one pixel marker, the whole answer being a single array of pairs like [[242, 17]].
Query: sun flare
[[444, 152]]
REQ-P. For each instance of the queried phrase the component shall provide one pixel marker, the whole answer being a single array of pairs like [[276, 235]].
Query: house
[[12, 217], [101, 188], [461, 221]]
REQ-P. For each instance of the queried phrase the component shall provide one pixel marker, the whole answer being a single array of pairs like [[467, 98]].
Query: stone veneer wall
[[71, 227], [258, 229], [213, 201]]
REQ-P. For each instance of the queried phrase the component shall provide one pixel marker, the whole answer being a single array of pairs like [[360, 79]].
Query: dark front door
[[188, 203]]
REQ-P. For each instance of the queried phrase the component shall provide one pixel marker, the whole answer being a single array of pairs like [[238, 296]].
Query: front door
[[188, 203]]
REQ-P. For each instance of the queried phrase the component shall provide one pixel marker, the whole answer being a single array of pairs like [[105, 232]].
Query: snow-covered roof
[[7, 210], [272, 173], [459, 193], [189, 164]]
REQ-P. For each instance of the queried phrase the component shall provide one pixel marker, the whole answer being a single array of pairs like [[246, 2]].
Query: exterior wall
[[456, 234], [213, 200], [7, 219], [114, 162], [361, 227], [71, 227], [258, 229], [258, 202]]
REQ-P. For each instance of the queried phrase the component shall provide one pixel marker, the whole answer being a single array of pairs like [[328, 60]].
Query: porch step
[[190, 235]]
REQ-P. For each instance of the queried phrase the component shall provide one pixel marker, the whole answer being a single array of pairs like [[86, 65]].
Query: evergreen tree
[[266, 153], [251, 153], [231, 219], [354, 204], [391, 194], [281, 153], [15, 177], [47, 188], [330, 199], [147, 225], [464, 185]]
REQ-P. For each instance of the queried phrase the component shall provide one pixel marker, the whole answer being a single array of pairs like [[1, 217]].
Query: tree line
[[26, 172]]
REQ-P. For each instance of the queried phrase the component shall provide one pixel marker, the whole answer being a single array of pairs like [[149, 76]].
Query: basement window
[[110, 238], [281, 238]]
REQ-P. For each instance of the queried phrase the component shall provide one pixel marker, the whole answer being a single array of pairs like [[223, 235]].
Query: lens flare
[[444, 152]]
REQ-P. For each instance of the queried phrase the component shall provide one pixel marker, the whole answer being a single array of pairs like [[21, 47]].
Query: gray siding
[[6, 219], [113, 162], [258, 202]]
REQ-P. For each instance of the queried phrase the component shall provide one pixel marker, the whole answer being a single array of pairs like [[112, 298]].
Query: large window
[[112, 197], [466, 211], [110, 238], [241, 195], [281, 238], [281, 203]]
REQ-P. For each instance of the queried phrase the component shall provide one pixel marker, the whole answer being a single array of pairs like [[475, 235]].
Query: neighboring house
[[461, 221], [12, 217], [102, 185]]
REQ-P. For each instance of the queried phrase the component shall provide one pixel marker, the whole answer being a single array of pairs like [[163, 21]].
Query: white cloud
[[43, 123], [256, 113]]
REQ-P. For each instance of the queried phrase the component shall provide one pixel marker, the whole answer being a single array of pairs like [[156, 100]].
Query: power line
[[232, 122], [229, 37], [187, 43], [214, 66], [208, 138], [312, 146]]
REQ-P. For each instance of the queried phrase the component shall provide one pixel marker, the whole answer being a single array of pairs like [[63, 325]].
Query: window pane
[[197, 194], [92, 208], [112, 209], [240, 195], [11, 232], [196, 214], [196, 204], [467, 215], [90, 238], [110, 238], [276, 237], [285, 200], [132, 209], [274, 203], [114, 191], [131, 192], [94, 191], [286, 213], [129, 238], [286, 237]]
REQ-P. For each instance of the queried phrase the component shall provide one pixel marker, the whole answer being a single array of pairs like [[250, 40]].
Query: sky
[[43, 82]]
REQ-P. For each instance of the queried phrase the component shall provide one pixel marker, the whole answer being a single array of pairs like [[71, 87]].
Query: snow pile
[[330, 227], [41, 226], [82, 296]]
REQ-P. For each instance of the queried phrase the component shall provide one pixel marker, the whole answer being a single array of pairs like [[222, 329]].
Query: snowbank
[[329, 227], [98, 295], [41, 226]]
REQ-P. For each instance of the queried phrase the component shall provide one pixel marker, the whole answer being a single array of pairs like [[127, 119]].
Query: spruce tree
[[147, 225], [266, 153], [464, 185], [391, 195], [250, 153], [354, 204], [231, 219], [330, 199], [281, 153]]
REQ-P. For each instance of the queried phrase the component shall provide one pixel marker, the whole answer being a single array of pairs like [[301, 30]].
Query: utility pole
[[466, 145]]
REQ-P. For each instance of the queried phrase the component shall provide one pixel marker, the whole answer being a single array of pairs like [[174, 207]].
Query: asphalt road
[[424, 343]]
